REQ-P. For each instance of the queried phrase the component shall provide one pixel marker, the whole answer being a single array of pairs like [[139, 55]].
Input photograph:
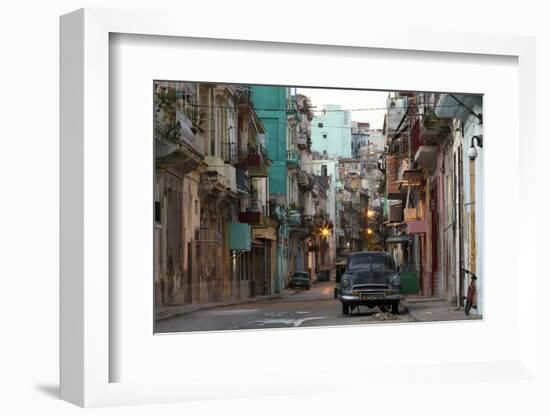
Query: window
[[320, 125], [324, 169], [324, 135]]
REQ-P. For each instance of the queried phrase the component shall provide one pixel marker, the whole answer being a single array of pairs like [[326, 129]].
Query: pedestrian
[[471, 295]]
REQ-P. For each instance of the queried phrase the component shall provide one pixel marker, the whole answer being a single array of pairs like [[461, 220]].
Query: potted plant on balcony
[[166, 123]]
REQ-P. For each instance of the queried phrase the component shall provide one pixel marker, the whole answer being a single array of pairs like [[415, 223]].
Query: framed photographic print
[[291, 213]]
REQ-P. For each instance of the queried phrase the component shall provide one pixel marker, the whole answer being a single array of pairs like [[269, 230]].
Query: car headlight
[[345, 282], [395, 281]]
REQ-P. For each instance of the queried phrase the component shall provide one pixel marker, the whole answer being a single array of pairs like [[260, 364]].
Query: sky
[[351, 100]]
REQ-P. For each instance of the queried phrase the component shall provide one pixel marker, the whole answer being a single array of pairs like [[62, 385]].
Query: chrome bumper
[[359, 299]]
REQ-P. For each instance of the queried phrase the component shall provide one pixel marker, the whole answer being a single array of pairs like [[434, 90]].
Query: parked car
[[370, 279], [300, 279]]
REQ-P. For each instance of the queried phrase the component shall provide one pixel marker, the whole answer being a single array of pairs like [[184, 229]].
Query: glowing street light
[[370, 213], [325, 232], [369, 231]]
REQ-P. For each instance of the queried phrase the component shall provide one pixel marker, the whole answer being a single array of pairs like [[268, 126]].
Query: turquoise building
[[331, 132], [270, 104]]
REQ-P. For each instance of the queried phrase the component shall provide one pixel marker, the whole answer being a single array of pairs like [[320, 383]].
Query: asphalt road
[[293, 309]]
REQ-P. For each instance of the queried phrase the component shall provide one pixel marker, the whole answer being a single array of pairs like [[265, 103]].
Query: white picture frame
[[86, 350]]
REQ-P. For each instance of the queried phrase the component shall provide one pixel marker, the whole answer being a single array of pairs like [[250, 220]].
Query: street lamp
[[472, 151]]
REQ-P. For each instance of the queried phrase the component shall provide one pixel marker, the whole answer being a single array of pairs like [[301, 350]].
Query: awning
[[267, 233], [397, 239]]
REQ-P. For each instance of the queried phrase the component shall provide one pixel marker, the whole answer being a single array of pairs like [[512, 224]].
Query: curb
[[220, 305], [408, 311]]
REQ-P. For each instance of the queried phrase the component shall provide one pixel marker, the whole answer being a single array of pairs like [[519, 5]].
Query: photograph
[[298, 206]]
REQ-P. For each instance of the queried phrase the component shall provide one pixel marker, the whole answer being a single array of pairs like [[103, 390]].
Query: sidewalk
[[423, 309], [166, 312]]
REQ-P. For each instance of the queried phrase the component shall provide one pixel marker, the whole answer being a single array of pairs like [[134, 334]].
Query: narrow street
[[294, 308], [259, 188]]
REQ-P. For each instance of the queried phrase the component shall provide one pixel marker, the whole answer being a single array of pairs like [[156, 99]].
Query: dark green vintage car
[[301, 280]]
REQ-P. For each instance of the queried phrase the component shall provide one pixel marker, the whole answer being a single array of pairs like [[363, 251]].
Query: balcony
[[212, 185], [219, 175], [252, 218], [254, 160], [425, 156], [393, 191], [411, 178], [257, 166], [392, 177], [395, 213], [292, 159], [294, 218], [433, 128], [230, 153], [242, 155], [177, 149]]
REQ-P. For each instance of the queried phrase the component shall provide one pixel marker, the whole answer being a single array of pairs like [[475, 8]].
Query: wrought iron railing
[[230, 153], [292, 156]]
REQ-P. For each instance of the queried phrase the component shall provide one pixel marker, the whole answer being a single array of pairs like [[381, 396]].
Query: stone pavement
[[422, 309]]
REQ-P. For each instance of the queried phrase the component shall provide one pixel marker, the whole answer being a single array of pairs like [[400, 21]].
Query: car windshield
[[371, 260], [300, 275]]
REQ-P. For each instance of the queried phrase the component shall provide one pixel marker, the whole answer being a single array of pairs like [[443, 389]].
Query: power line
[[312, 108], [214, 106], [211, 119]]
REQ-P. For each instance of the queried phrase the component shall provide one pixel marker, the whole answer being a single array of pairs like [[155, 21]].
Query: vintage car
[[370, 279], [300, 279]]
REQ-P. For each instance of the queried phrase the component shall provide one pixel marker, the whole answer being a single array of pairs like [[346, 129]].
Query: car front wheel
[[395, 308], [345, 309]]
